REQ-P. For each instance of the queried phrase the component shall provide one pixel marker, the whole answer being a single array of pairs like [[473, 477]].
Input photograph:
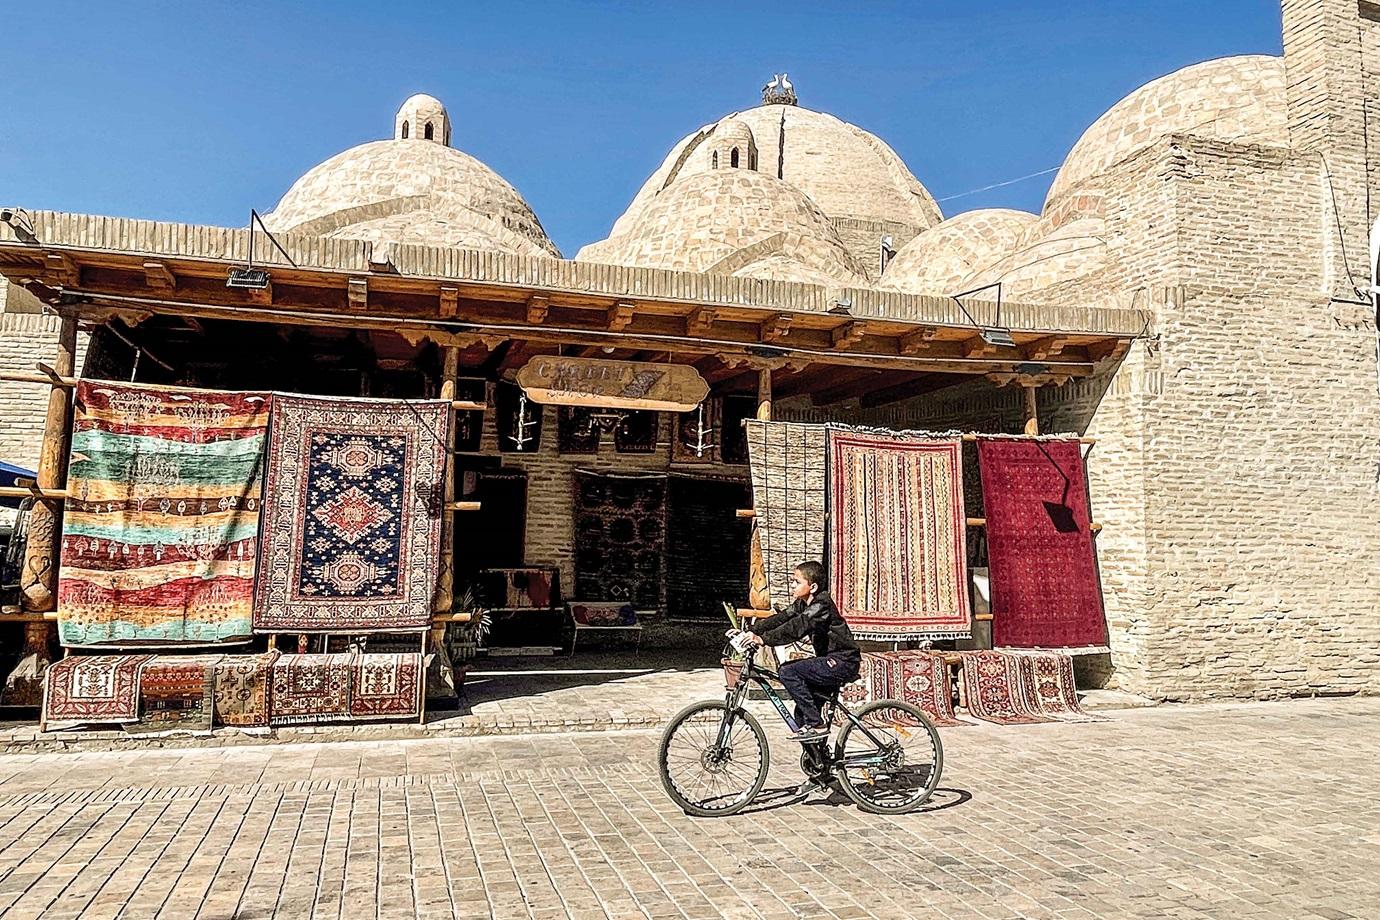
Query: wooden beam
[[846, 384], [59, 269], [848, 335], [158, 276], [450, 301], [538, 306], [357, 294], [776, 328], [1108, 350], [1049, 347], [263, 296], [699, 321], [978, 347], [916, 342], [620, 316]]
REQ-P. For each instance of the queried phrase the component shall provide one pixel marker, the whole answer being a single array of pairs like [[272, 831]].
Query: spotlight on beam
[[997, 335], [842, 306], [252, 279]]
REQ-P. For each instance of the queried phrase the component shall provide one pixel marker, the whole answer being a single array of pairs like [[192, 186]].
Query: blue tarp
[[8, 474]]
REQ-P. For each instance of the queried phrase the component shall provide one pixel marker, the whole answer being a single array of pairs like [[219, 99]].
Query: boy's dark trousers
[[810, 682]]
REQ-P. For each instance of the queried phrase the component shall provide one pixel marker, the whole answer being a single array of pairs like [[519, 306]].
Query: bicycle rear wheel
[[713, 760], [894, 765]]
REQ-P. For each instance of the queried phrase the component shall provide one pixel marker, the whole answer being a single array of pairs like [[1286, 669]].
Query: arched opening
[[428, 132], [733, 158], [752, 160], [404, 131], [714, 160]]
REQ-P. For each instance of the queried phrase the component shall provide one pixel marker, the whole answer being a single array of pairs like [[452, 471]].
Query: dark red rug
[[1046, 592]]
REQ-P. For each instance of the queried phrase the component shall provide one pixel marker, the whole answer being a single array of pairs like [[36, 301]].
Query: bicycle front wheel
[[713, 760], [891, 764]]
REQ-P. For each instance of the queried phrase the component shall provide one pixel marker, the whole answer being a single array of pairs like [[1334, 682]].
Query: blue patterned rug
[[352, 515]]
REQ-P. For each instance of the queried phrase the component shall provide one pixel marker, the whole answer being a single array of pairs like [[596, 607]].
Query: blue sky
[[196, 112]]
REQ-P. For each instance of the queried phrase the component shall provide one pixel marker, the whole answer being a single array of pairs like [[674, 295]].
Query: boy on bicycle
[[810, 681]]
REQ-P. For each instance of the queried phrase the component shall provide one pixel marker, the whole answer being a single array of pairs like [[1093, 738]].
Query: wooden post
[[1032, 415], [764, 394], [38, 577], [759, 592], [440, 680]]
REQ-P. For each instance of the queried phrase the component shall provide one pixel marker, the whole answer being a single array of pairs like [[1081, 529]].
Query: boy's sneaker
[[811, 733]]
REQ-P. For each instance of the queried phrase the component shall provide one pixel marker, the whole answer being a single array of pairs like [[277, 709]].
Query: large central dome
[[858, 183], [414, 188]]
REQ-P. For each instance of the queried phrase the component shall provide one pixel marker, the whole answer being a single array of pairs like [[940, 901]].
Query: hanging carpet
[[160, 534], [93, 688], [177, 693], [310, 688], [620, 539], [1046, 591], [898, 541], [352, 516], [787, 462], [386, 686], [707, 547], [241, 689]]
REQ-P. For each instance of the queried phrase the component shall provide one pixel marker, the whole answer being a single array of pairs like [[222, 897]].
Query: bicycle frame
[[752, 672]]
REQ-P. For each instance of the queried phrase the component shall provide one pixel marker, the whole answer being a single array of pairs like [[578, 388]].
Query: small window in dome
[[733, 158], [428, 132], [714, 160], [404, 134]]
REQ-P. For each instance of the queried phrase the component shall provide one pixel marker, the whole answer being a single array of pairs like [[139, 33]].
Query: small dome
[[854, 178], [942, 258], [733, 222], [406, 192], [1234, 98], [731, 146], [1047, 255], [422, 118]]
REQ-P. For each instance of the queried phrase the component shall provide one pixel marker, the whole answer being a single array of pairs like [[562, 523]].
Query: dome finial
[[780, 91]]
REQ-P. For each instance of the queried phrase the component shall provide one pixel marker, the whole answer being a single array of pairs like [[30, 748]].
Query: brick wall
[[26, 338]]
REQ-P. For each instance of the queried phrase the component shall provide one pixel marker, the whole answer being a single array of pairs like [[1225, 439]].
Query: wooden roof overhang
[[887, 346]]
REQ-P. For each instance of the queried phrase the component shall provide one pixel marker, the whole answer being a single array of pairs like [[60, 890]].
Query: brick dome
[[732, 222], [940, 260], [1234, 98], [412, 189]]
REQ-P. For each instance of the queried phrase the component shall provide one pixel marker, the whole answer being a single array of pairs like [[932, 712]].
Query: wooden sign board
[[601, 383]]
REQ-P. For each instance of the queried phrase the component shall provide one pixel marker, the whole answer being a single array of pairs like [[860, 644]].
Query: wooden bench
[[604, 617]]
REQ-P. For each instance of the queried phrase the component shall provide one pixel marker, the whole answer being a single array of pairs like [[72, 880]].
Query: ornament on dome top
[[780, 91]]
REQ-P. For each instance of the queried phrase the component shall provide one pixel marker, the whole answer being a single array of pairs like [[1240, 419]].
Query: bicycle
[[887, 758]]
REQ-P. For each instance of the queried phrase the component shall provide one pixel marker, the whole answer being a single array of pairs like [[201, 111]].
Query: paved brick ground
[[1250, 811]]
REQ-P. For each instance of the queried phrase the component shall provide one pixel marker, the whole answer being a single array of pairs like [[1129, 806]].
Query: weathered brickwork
[[25, 339]]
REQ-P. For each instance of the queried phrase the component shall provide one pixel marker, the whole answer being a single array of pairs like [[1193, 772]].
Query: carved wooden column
[[759, 595], [440, 677], [38, 577], [1032, 415]]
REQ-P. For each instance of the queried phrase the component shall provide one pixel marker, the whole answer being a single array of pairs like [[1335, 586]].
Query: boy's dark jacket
[[820, 621]]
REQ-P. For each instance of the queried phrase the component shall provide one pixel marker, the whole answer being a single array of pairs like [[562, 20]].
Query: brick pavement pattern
[[1260, 810]]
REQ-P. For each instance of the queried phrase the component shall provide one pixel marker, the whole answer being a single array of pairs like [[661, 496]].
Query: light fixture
[[997, 335], [249, 277], [842, 306], [19, 221], [607, 420], [607, 349]]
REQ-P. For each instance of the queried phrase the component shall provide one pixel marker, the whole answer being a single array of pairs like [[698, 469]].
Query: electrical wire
[[987, 188]]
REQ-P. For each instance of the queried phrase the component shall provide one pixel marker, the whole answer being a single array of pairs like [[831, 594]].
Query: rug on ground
[[93, 688], [352, 516], [787, 464], [1050, 687], [159, 536], [1046, 591], [1022, 687], [241, 689], [176, 693], [898, 541], [387, 685], [916, 677]]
